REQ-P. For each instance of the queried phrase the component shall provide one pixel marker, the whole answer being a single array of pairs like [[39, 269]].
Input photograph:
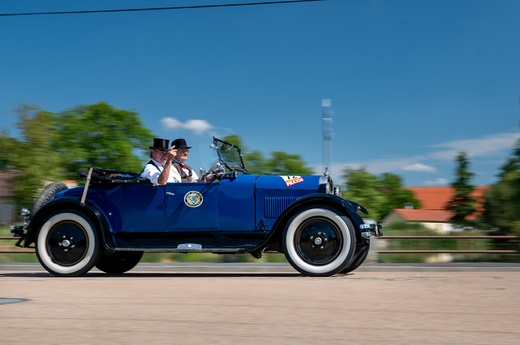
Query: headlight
[[326, 185]]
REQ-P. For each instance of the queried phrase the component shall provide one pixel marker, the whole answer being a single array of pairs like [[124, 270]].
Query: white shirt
[[152, 173]]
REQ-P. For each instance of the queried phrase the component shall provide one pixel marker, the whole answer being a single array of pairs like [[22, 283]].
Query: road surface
[[262, 304]]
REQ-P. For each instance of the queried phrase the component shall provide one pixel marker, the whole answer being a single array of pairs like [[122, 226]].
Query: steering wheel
[[217, 171]]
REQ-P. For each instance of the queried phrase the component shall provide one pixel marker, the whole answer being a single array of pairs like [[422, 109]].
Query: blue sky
[[412, 83]]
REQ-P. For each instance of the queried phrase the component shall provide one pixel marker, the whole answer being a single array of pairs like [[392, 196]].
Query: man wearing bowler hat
[[159, 169], [180, 171]]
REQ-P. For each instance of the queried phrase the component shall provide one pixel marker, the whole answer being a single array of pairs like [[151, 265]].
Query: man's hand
[[172, 153]]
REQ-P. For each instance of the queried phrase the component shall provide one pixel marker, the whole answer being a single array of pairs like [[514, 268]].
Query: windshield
[[230, 155]]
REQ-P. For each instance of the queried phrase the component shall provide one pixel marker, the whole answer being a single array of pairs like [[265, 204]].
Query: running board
[[183, 248]]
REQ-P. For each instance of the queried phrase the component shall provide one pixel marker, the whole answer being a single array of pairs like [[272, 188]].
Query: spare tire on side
[[47, 195]]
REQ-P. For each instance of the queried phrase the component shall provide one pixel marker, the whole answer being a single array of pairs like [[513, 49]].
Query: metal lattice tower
[[328, 134]]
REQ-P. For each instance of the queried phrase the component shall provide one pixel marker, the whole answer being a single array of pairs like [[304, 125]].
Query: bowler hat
[[160, 144], [180, 144]]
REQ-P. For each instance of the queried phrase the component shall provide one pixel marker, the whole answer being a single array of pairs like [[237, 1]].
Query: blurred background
[[422, 125]]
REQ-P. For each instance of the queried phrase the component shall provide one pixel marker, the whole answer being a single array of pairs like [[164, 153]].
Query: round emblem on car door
[[193, 199]]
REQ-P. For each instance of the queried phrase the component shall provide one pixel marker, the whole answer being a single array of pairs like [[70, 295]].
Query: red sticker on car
[[291, 180]]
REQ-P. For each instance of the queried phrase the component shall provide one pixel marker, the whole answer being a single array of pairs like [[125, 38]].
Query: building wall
[[440, 228], [8, 213]]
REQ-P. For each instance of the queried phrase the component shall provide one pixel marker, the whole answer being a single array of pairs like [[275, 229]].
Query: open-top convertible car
[[117, 216]]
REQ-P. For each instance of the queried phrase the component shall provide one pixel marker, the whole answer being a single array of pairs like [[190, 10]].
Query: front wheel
[[358, 260], [319, 241], [68, 244]]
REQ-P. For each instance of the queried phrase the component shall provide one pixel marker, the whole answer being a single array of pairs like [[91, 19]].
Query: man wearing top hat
[[180, 171], [159, 169]]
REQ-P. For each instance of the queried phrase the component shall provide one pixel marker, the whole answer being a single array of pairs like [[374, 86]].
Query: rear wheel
[[118, 262], [319, 241], [68, 244]]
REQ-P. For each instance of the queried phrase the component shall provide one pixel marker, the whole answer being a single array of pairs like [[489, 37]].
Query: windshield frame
[[236, 164]]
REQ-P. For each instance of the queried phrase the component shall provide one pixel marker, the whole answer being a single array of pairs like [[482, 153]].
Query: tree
[[280, 163], [391, 186], [235, 140], [462, 203], [54, 147], [99, 135], [362, 187], [256, 163], [33, 157], [379, 195], [7, 147], [502, 199]]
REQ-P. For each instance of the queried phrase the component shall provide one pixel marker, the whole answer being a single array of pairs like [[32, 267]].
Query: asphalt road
[[262, 304]]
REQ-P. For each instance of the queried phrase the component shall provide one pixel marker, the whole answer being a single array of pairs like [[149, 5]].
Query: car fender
[[89, 209], [349, 208]]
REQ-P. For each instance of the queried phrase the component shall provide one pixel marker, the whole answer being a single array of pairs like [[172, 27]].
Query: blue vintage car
[[117, 216]]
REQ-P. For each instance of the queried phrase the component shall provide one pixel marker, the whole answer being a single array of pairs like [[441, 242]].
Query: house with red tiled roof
[[432, 213]]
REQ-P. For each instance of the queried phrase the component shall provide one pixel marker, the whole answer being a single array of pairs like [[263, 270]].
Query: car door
[[227, 205], [192, 206], [133, 207]]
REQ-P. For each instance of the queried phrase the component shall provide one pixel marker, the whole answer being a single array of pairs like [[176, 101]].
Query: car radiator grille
[[274, 206]]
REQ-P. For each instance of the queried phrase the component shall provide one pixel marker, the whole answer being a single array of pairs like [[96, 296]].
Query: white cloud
[[199, 127], [491, 145], [479, 147], [171, 123], [379, 166], [419, 167]]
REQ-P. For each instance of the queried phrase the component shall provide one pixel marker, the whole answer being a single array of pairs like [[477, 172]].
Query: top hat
[[160, 144], [180, 144]]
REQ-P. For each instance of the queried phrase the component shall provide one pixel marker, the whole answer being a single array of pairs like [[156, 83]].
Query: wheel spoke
[[318, 241], [67, 243]]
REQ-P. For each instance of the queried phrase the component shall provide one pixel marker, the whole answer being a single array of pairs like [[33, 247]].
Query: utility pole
[[328, 134]]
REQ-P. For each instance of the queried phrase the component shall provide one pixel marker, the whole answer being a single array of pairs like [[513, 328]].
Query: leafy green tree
[[391, 186], [256, 163], [280, 163], [8, 147], [380, 195], [54, 147], [462, 203], [362, 187], [502, 199], [99, 135], [33, 157], [235, 140]]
